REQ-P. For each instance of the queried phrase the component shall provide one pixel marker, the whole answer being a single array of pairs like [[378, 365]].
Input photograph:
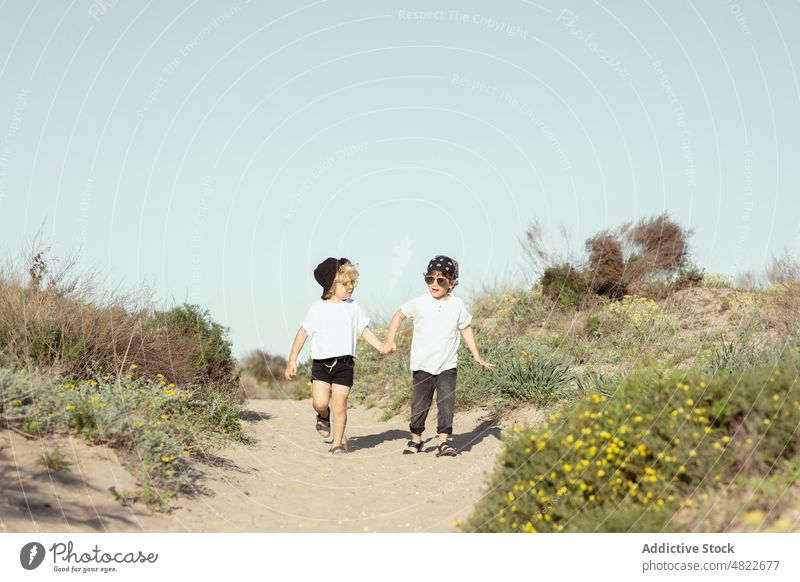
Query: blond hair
[[347, 272]]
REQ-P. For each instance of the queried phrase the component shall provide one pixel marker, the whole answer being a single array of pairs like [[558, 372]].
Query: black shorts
[[337, 370]]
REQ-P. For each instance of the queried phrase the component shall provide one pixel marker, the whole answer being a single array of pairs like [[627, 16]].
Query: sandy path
[[286, 481]]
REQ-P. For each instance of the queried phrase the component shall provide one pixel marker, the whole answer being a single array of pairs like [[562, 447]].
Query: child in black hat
[[440, 321], [334, 325]]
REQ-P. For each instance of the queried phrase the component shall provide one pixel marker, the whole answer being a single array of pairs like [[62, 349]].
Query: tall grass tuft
[[533, 380]]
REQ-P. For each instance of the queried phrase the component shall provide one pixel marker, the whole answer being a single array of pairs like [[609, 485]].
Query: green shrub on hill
[[631, 461], [51, 320], [210, 361], [161, 426], [564, 285]]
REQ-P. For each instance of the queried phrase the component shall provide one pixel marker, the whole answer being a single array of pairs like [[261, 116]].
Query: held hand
[[291, 371], [387, 348], [483, 363]]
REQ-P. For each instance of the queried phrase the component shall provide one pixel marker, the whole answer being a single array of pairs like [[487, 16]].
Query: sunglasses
[[347, 284], [441, 281]]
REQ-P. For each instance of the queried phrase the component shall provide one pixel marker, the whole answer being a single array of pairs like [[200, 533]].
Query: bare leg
[[339, 407], [320, 400]]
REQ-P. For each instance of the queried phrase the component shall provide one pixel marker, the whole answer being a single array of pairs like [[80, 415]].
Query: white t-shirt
[[437, 325], [334, 328]]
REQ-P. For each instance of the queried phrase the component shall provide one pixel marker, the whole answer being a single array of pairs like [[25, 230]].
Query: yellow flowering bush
[[631, 461], [743, 307], [140, 416], [641, 315], [512, 310]]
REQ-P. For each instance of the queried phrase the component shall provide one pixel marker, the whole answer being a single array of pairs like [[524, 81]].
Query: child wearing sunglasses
[[440, 321], [334, 325]]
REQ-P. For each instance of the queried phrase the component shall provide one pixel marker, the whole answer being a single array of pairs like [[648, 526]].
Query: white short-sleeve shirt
[[334, 328], [437, 326]]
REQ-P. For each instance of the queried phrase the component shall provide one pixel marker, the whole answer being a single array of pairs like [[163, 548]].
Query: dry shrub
[[783, 274], [748, 281], [540, 255], [781, 279], [67, 327], [606, 265], [65, 324], [660, 246], [263, 366], [649, 257], [783, 269], [656, 261]]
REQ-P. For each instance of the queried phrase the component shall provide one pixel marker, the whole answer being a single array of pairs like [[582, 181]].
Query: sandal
[[412, 445], [338, 450], [324, 425], [445, 450]]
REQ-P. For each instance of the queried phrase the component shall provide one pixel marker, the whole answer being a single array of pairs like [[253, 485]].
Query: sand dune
[[285, 482]]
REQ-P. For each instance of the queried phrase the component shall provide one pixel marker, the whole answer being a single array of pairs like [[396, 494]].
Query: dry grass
[[59, 322], [781, 279], [262, 376], [263, 366]]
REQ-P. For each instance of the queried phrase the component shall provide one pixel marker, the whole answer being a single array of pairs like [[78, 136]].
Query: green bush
[[631, 462], [564, 285], [160, 424], [61, 324], [524, 374], [592, 325], [383, 381], [475, 386], [512, 312], [718, 280], [532, 379], [212, 361]]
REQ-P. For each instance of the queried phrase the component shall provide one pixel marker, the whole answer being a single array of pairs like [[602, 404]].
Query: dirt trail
[[285, 482]]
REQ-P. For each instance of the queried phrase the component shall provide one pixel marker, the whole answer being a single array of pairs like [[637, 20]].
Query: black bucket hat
[[325, 272]]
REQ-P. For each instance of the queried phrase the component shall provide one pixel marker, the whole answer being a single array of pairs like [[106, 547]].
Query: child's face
[[343, 289], [438, 286]]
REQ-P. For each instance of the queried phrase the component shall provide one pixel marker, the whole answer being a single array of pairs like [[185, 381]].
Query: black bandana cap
[[444, 265]]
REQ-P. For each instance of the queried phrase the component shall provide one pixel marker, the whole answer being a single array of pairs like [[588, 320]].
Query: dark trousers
[[425, 384]]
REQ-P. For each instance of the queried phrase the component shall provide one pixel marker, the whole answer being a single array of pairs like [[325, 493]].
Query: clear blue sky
[[220, 150]]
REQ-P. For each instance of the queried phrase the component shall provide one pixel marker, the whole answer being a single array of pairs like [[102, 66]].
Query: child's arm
[[394, 325], [469, 339], [372, 339], [297, 345]]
